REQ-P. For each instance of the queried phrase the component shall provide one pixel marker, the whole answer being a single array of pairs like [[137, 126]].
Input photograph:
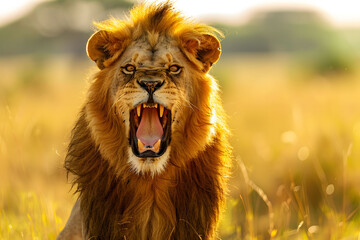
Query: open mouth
[[150, 129]]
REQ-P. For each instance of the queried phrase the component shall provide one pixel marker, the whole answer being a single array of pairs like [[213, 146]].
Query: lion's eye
[[129, 69], [175, 69]]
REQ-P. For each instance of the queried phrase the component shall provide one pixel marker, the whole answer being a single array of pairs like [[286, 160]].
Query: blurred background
[[289, 76]]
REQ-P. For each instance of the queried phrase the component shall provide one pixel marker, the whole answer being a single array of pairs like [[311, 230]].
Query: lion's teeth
[[138, 109], [141, 146], [156, 105], [157, 146], [161, 110]]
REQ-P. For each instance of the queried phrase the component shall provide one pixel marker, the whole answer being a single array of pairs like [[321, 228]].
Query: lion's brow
[[151, 68]]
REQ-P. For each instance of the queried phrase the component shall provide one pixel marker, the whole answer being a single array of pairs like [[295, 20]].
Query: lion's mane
[[184, 201]]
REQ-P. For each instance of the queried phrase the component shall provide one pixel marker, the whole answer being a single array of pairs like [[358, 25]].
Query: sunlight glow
[[342, 13], [13, 9]]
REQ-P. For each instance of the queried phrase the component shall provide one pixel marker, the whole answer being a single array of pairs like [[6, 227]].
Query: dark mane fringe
[[149, 17]]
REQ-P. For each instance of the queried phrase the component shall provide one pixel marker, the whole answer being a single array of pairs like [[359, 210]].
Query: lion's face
[[150, 87], [159, 85]]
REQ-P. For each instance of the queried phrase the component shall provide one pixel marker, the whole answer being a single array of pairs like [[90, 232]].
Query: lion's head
[[153, 99]]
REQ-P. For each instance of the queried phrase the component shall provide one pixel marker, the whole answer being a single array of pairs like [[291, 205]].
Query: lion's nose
[[150, 85]]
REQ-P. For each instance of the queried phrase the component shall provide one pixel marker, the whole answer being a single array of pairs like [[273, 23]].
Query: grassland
[[295, 137]]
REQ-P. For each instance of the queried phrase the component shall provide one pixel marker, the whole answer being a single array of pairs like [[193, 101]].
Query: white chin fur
[[153, 166]]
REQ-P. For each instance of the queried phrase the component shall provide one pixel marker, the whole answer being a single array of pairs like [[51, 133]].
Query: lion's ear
[[207, 50], [97, 48], [105, 47]]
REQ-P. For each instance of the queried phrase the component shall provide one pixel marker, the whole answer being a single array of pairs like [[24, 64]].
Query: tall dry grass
[[295, 137], [298, 135]]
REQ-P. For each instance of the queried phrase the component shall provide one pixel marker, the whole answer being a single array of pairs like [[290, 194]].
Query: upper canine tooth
[[161, 110], [138, 109]]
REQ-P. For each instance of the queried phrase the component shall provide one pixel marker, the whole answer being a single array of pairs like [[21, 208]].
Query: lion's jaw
[[150, 114]]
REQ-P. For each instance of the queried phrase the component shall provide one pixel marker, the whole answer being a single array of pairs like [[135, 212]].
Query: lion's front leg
[[73, 227]]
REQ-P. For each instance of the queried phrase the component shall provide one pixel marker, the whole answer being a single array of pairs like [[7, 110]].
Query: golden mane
[[184, 201]]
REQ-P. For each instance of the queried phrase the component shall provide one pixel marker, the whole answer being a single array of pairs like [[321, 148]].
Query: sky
[[339, 12], [12, 9]]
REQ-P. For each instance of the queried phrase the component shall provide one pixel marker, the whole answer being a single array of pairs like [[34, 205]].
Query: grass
[[295, 137], [298, 136]]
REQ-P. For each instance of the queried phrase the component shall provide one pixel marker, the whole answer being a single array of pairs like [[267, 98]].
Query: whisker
[[190, 105]]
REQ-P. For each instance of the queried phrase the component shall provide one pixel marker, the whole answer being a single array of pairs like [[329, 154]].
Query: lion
[[149, 153]]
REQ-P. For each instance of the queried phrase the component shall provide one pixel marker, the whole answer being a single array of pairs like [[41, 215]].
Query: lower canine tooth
[[161, 110], [157, 146], [138, 109], [141, 146]]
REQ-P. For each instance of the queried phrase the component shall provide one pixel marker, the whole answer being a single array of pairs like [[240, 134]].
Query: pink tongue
[[150, 129]]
